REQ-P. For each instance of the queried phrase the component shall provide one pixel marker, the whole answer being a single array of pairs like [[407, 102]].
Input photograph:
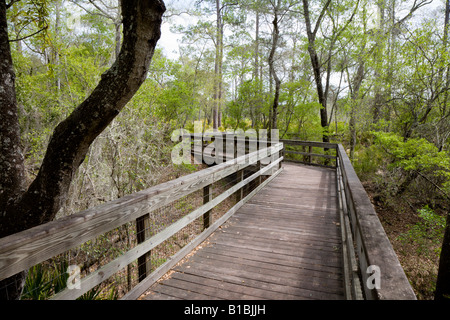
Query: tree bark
[[22, 209], [443, 279], [12, 167]]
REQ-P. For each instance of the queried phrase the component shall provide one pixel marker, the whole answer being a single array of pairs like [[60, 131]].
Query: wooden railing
[[367, 252], [371, 267], [310, 152], [23, 250], [382, 276]]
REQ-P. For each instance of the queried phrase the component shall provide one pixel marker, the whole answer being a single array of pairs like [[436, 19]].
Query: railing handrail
[[318, 144], [329, 155], [372, 244], [25, 249]]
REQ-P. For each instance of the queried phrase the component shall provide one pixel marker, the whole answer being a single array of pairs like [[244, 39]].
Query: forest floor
[[397, 217]]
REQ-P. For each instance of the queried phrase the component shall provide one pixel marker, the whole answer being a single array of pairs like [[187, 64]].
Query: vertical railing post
[[280, 155], [337, 158], [142, 233], [303, 149], [258, 167], [235, 148], [240, 192], [309, 151], [207, 197]]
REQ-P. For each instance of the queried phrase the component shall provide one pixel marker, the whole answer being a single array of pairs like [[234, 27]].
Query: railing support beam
[[142, 233], [207, 197]]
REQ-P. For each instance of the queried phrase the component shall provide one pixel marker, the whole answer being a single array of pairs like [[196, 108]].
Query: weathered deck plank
[[284, 243]]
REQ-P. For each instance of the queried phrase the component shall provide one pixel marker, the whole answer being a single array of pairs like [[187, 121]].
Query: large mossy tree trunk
[[23, 207]]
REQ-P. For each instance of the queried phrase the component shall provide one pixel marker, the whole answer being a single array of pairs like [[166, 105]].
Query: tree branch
[[414, 8], [434, 184], [30, 35], [319, 20], [9, 5]]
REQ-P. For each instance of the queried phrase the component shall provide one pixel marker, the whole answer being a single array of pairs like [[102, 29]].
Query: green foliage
[[415, 155], [44, 281], [93, 294], [31, 18], [427, 234], [37, 285], [367, 161]]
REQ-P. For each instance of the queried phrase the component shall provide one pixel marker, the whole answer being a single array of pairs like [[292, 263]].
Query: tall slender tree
[[218, 81], [276, 5], [315, 61]]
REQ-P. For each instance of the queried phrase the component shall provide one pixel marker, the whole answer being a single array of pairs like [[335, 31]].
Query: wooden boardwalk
[[284, 243], [303, 233]]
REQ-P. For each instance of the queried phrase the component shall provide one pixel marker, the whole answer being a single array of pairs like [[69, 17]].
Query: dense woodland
[[372, 75]]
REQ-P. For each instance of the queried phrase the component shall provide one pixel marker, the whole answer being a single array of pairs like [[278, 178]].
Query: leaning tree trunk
[[23, 208]]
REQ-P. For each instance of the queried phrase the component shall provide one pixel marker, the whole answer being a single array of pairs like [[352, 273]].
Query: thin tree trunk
[[56, 51], [256, 68], [317, 69], [220, 73], [257, 105], [445, 41], [378, 98], [354, 96], [275, 38], [217, 69]]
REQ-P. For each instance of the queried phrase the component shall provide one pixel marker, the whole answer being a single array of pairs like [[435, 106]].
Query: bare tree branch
[[9, 5], [29, 36], [319, 20]]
